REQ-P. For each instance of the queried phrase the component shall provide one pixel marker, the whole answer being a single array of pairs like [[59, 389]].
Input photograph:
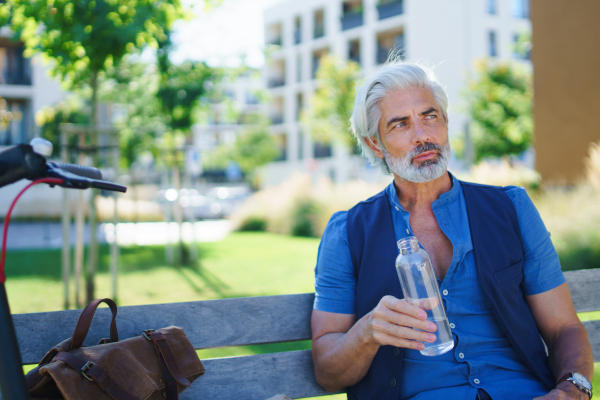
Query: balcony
[[389, 9], [276, 82], [14, 68], [275, 41], [319, 30], [352, 20], [276, 119], [297, 36], [382, 54]]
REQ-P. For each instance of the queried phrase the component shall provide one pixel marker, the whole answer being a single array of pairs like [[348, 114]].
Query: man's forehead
[[410, 98]]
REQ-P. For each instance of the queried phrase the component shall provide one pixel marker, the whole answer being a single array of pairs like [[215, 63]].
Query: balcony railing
[[276, 82], [319, 30], [352, 20], [297, 36], [276, 119], [390, 8], [275, 41]]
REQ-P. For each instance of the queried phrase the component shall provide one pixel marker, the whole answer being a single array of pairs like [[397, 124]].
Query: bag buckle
[[146, 332], [88, 365]]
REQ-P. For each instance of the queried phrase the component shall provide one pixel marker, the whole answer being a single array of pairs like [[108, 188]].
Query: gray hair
[[392, 77]]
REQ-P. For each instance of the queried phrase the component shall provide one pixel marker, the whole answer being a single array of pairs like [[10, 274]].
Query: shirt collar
[[444, 198]]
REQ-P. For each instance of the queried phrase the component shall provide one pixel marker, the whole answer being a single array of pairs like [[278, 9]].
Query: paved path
[[40, 235]]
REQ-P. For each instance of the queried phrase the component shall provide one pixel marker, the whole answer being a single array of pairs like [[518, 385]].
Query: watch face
[[582, 380]]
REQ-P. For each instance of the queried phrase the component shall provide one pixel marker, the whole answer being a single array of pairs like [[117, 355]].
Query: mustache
[[422, 148]]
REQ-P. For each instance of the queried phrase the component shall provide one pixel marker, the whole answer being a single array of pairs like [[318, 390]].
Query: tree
[[333, 101], [500, 103], [254, 147], [82, 39], [180, 88]]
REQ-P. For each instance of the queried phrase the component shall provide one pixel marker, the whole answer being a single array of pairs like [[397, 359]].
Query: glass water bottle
[[420, 288]]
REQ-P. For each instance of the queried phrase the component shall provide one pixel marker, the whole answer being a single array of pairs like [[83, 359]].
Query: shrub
[[304, 217], [501, 173], [253, 224]]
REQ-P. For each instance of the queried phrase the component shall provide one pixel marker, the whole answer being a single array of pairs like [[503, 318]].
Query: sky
[[221, 35]]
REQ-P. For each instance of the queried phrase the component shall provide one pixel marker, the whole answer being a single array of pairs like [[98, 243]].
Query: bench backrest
[[242, 321]]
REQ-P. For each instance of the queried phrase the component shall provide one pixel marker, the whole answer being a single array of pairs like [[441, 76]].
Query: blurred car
[[219, 202]]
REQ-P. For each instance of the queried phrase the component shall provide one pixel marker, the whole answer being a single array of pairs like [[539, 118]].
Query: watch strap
[[569, 375], [563, 378]]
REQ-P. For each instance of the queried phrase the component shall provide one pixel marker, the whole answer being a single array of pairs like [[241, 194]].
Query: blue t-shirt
[[482, 356]]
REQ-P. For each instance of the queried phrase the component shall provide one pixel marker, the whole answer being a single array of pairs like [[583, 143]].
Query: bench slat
[[584, 285], [257, 377], [208, 324]]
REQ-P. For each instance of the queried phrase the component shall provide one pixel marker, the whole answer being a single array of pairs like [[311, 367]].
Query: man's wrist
[[572, 390]]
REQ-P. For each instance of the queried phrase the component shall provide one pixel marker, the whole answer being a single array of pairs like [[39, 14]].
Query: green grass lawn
[[242, 264]]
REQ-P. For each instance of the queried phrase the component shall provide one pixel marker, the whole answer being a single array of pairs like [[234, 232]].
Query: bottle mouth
[[408, 245]]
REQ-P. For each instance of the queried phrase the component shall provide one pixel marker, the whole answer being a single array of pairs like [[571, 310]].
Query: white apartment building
[[25, 87], [446, 34]]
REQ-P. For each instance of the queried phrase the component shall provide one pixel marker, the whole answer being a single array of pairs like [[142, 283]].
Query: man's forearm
[[343, 359], [570, 351]]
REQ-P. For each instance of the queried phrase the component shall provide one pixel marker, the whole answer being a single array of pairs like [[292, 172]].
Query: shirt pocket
[[513, 274]]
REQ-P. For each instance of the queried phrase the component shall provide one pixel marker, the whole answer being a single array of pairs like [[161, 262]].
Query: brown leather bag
[[157, 364]]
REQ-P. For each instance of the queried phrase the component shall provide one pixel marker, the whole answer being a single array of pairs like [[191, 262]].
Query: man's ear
[[374, 145]]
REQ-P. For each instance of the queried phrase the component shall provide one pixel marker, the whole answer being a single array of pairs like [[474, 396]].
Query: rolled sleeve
[[335, 281], [541, 266]]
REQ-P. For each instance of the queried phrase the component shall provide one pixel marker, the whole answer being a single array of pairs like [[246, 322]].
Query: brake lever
[[72, 181]]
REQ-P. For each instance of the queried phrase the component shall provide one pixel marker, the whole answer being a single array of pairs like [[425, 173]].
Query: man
[[498, 272]]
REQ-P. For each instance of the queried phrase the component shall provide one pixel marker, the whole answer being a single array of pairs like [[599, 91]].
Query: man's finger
[[402, 306]]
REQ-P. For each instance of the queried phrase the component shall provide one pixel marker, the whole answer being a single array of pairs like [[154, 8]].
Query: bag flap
[[132, 363]]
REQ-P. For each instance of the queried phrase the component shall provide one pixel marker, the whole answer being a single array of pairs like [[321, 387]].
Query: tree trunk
[[93, 251], [181, 259], [66, 225]]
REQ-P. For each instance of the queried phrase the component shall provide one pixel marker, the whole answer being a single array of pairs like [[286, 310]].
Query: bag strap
[[85, 321], [95, 373], [171, 372]]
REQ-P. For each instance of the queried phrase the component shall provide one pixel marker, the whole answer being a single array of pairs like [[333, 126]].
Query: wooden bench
[[236, 322]]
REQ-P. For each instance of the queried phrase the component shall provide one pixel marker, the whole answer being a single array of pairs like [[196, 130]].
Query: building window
[[251, 98], [352, 14], [300, 144], [276, 110], [519, 8], [521, 48], [492, 47], [389, 8], [282, 144], [321, 150], [317, 55], [14, 68], [319, 24], [354, 50], [299, 68], [299, 105], [273, 34], [298, 30], [491, 7], [390, 43], [15, 130], [276, 74]]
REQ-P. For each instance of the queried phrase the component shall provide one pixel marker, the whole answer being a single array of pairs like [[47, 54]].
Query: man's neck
[[414, 196]]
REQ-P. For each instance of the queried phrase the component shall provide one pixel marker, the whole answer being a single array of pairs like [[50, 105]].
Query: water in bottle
[[420, 288]]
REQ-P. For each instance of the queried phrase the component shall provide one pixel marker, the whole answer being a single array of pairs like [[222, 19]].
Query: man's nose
[[420, 134]]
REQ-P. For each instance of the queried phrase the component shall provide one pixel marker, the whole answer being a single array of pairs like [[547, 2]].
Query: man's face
[[414, 135]]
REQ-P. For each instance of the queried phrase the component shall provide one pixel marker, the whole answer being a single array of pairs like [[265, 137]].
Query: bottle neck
[[408, 245]]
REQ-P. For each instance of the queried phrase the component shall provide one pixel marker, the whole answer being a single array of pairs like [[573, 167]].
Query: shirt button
[[445, 292], [392, 382], [461, 355], [452, 326], [397, 208], [476, 381], [396, 352]]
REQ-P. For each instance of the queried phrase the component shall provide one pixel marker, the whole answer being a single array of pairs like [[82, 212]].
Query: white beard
[[426, 171]]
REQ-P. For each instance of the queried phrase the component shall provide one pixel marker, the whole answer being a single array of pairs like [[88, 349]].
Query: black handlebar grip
[[81, 170]]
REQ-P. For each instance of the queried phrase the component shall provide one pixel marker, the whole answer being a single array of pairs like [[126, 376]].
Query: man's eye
[[401, 124], [431, 116]]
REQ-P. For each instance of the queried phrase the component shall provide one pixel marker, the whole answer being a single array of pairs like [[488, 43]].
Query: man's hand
[[392, 323], [565, 391]]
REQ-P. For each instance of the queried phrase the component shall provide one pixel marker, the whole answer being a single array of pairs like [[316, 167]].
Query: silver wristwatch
[[580, 381]]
